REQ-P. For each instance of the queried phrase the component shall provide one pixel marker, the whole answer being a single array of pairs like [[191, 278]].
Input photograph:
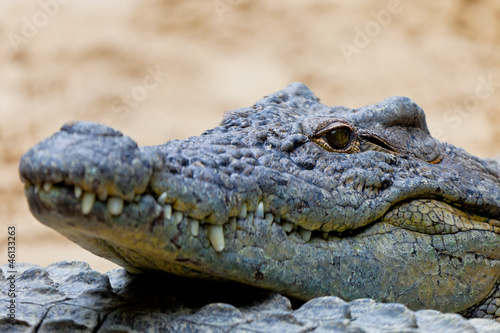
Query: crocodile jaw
[[383, 261]]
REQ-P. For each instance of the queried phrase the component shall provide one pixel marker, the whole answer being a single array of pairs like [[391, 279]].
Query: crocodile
[[288, 195]]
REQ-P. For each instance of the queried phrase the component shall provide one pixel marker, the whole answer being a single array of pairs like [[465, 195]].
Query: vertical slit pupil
[[339, 138]]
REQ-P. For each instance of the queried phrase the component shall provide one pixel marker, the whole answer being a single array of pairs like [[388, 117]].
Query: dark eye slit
[[377, 142]]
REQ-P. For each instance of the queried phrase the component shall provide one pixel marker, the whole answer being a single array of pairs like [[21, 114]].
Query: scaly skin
[[289, 195]]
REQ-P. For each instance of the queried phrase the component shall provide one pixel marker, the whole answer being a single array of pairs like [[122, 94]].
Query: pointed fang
[[216, 236], [195, 227], [88, 201], [161, 198], [260, 210], [167, 212], [78, 192], [177, 217], [269, 218]]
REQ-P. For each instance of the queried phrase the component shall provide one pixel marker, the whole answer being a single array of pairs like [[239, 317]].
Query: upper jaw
[[266, 154], [200, 179]]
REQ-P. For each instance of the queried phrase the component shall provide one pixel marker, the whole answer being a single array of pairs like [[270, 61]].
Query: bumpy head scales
[[290, 195]]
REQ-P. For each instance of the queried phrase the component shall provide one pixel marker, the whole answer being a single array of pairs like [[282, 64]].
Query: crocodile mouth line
[[115, 206], [215, 232]]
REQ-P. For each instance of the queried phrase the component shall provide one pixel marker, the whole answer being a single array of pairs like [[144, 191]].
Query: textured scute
[[395, 215], [120, 302]]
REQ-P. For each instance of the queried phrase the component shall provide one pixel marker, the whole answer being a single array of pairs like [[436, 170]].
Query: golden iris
[[339, 138]]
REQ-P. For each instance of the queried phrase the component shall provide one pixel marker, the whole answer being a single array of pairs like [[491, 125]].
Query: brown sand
[[81, 59]]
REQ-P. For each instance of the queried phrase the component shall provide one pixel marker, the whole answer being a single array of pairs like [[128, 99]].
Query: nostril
[[89, 128]]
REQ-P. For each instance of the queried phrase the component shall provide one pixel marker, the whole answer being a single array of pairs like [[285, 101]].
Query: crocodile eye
[[339, 138]]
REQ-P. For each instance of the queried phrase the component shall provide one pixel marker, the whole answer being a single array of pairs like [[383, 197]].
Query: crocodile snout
[[91, 157]]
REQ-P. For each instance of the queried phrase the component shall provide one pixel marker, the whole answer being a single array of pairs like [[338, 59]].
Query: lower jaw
[[383, 261]]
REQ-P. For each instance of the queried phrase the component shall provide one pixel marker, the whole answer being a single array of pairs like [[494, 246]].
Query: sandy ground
[[87, 60]]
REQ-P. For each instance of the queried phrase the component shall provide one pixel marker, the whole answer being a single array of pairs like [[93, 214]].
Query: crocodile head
[[289, 195]]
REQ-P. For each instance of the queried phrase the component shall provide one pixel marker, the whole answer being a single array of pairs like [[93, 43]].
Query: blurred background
[[158, 70]]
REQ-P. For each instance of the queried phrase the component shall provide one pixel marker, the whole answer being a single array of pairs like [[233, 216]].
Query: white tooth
[[250, 217], [88, 201], [260, 210], [216, 236], [195, 227], [115, 205], [103, 195], [167, 211], [305, 234], [37, 188], [269, 218], [325, 235], [47, 186], [243, 212], [287, 226], [232, 223], [162, 197], [277, 218], [78, 192], [177, 217]]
